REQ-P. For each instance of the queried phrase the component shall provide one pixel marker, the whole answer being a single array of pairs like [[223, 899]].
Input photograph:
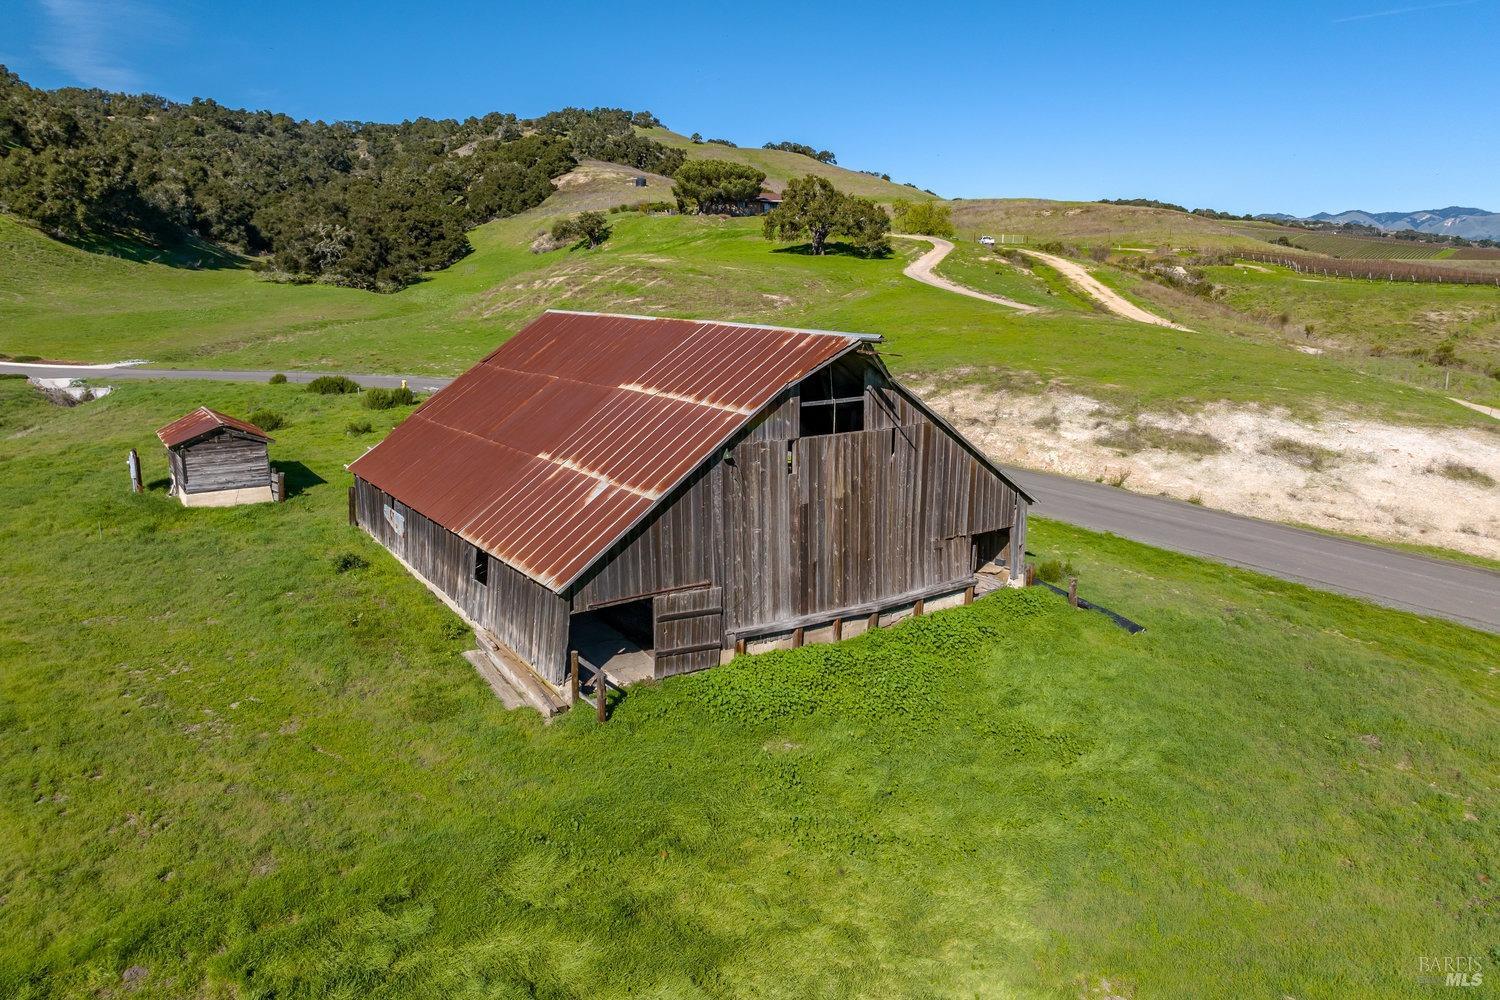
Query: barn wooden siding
[[226, 460], [793, 528], [525, 615]]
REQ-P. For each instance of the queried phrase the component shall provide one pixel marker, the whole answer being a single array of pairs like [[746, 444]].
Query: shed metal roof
[[204, 421], [554, 446]]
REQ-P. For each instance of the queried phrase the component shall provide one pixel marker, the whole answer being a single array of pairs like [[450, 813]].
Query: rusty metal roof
[[552, 448], [204, 421]]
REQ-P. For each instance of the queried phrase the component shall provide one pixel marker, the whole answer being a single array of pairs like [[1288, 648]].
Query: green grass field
[[239, 772], [60, 303]]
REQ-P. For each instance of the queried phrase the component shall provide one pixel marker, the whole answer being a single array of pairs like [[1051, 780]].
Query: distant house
[[216, 460], [759, 205], [683, 489]]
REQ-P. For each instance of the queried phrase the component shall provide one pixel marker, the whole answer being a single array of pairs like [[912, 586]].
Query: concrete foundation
[[227, 498]]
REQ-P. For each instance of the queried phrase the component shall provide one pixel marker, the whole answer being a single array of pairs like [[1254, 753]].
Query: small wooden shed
[[217, 460], [662, 493]]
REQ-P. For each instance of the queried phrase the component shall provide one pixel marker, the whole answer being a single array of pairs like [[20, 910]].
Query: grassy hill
[[61, 303], [780, 166], [236, 771]]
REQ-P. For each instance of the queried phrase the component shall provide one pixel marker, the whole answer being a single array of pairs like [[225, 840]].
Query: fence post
[[134, 463], [601, 693], [280, 486], [573, 677], [1073, 591]]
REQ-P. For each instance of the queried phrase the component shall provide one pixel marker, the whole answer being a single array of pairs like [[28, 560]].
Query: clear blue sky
[[1266, 106]]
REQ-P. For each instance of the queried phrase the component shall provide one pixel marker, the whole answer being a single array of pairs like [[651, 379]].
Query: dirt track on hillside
[[1101, 293], [923, 269]]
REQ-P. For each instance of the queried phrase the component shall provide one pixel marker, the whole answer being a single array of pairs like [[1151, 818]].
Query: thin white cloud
[[89, 39], [1404, 10]]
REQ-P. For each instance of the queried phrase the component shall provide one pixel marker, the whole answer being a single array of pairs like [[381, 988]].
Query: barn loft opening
[[481, 567], [832, 400]]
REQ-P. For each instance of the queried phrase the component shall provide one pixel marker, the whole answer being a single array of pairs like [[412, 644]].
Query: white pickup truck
[[988, 241]]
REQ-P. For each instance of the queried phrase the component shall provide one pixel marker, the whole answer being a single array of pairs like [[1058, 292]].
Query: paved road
[[1411, 582], [923, 269], [104, 373], [1439, 587]]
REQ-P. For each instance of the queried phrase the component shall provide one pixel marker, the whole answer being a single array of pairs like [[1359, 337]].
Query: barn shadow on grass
[[299, 478]]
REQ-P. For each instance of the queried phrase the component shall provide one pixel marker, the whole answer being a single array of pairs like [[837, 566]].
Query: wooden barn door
[[689, 630]]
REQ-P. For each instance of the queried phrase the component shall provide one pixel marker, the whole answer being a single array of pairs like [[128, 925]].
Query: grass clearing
[[1312, 457], [1137, 436], [1461, 472], [240, 755]]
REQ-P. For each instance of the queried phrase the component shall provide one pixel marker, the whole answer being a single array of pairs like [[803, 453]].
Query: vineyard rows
[[1383, 270]]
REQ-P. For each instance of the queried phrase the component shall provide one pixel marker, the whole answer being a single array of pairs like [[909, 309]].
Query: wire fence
[[1380, 270]]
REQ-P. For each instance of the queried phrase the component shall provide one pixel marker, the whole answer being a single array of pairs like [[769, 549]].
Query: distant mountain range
[[1470, 223]]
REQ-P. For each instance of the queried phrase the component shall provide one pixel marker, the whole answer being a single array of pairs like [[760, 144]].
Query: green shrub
[[1055, 570], [385, 399], [332, 385], [267, 420], [345, 561], [277, 379], [359, 427]]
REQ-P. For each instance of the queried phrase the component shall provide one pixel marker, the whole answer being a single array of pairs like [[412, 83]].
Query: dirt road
[[924, 267], [1099, 292]]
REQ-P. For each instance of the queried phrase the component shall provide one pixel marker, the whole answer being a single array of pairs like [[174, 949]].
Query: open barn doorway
[[991, 560], [618, 639]]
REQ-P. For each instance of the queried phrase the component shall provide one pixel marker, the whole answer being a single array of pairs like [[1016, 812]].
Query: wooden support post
[[797, 637], [280, 486], [838, 629], [1030, 576], [573, 677], [134, 462], [916, 609], [353, 519], [739, 646], [601, 693], [969, 594], [1073, 591], [874, 621]]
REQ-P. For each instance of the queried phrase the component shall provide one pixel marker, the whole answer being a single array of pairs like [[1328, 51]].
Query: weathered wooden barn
[[216, 460], [687, 487]]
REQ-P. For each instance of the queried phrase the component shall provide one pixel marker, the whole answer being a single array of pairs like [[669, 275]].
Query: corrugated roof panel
[[549, 450], [203, 421]]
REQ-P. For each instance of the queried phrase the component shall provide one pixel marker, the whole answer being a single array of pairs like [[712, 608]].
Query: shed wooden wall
[[222, 461], [525, 615]]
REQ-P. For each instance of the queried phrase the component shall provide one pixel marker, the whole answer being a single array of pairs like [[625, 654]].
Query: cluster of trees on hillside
[[813, 209], [821, 155], [923, 218], [710, 187], [363, 204]]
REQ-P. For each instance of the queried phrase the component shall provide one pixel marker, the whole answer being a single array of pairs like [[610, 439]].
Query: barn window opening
[[481, 567], [832, 401]]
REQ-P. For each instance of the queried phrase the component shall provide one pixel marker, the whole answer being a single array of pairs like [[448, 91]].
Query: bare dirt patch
[[1342, 473]]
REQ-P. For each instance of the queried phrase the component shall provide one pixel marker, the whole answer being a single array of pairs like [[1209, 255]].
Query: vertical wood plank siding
[[792, 526], [224, 461], [526, 616], [689, 630]]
